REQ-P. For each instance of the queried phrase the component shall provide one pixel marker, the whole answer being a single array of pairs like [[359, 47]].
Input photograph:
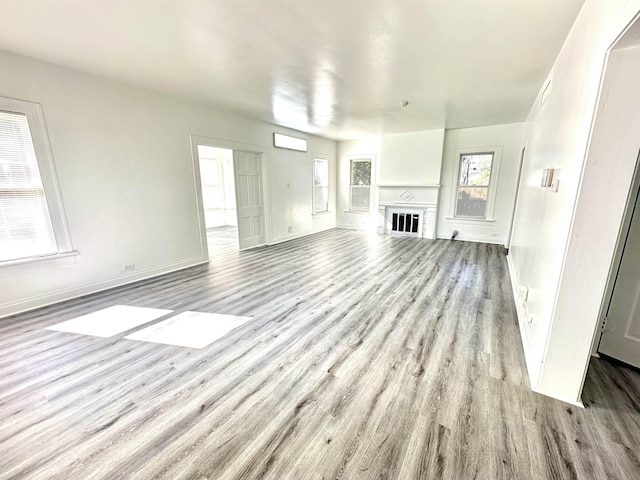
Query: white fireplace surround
[[420, 199]]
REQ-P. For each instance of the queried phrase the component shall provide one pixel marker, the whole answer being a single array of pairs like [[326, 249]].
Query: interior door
[[248, 175], [621, 338]]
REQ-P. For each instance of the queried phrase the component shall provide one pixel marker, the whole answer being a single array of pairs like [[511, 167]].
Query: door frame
[[230, 145], [516, 197], [616, 263]]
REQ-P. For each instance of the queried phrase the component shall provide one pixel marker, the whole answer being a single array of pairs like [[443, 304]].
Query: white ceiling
[[338, 68]]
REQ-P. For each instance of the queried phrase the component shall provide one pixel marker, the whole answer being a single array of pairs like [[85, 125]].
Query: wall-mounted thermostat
[[547, 177]]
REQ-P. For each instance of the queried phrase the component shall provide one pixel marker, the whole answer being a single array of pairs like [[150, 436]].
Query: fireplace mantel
[[408, 198]]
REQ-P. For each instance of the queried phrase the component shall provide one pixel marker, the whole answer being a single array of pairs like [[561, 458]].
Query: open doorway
[[620, 337], [605, 247], [218, 199]]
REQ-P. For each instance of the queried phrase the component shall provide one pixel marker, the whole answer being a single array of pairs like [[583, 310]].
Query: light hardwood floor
[[368, 357], [222, 240]]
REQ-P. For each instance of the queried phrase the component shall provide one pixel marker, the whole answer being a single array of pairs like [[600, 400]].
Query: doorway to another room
[[218, 199]]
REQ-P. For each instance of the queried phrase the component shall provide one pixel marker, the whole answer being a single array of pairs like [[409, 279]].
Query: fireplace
[[408, 210]]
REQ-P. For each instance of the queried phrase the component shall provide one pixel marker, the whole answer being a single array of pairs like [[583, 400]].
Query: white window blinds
[[25, 223]]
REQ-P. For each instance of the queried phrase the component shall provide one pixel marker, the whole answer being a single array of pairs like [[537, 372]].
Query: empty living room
[[305, 239]]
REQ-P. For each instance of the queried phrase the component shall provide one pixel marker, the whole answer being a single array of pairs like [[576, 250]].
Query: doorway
[[230, 190], [218, 199], [620, 337]]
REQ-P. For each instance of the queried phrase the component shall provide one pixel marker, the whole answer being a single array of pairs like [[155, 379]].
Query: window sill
[[26, 265], [320, 213], [358, 212], [471, 220]]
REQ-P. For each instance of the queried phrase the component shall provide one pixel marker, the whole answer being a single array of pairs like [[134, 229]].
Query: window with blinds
[[27, 227]]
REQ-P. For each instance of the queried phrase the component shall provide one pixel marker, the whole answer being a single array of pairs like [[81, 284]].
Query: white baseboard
[[352, 227], [57, 296], [293, 236], [577, 403], [475, 238], [522, 318]]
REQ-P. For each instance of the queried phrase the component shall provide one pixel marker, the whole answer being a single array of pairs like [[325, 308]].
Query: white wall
[[371, 147], [506, 140], [551, 252], [412, 158], [124, 165], [291, 183]]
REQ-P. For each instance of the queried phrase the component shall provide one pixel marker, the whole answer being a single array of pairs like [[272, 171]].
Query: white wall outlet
[[128, 268], [290, 229], [523, 293]]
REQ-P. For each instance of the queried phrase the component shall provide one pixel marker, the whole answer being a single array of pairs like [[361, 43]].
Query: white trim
[[30, 264], [44, 157], [524, 333], [470, 220], [408, 205], [516, 198], [62, 295], [357, 212], [616, 261], [576, 403], [461, 237], [234, 146], [434, 185], [583, 165], [295, 236]]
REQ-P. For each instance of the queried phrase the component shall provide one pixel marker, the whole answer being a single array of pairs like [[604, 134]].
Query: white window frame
[[315, 208], [353, 160], [39, 137], [496, 150]]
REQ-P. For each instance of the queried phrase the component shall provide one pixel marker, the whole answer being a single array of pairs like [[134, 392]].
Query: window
[[32, 222], [360, 185], [320, 185], [474, 175], [212, 191], [292, 143]]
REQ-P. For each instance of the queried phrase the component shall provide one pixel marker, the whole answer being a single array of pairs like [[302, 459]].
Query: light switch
[[555, 185]]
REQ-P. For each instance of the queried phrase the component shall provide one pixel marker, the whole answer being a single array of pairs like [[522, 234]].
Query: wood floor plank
[[367, 357]]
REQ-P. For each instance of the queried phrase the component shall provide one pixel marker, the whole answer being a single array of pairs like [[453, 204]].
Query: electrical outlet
[[524, 293], [290, 229], [128, 268]]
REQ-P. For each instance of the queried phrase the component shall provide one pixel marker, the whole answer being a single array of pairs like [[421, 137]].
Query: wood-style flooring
[[222, 240], [368, 357]]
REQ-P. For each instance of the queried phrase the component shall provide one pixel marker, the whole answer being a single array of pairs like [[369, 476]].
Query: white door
[[249, 202], [621, 338]]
